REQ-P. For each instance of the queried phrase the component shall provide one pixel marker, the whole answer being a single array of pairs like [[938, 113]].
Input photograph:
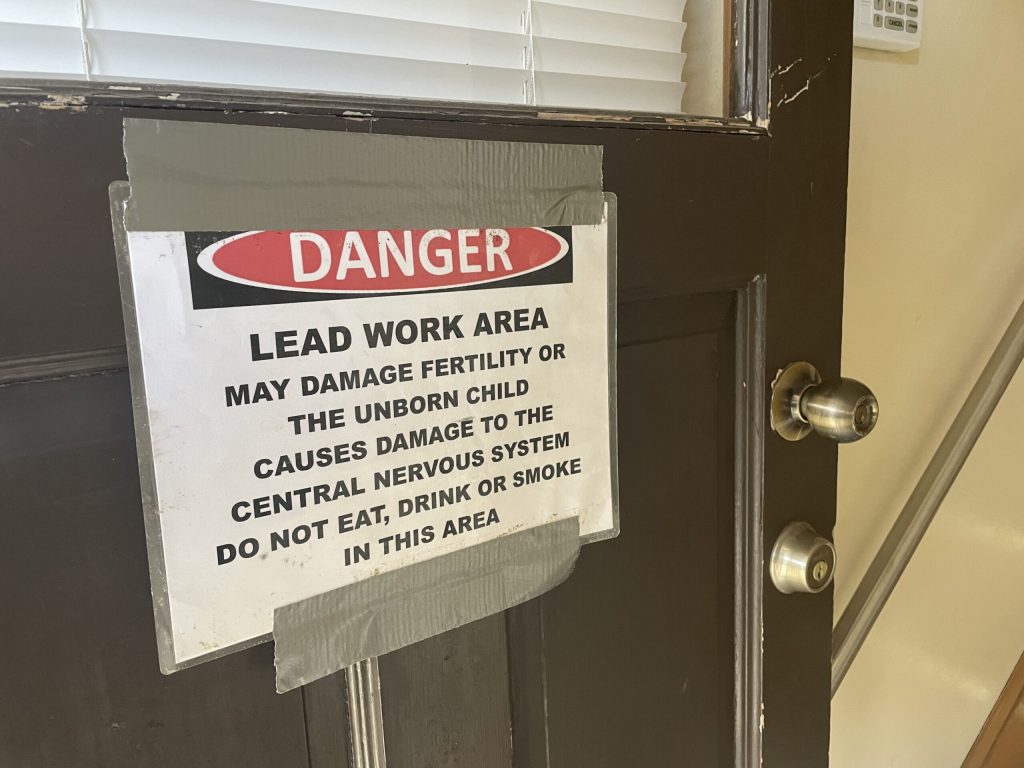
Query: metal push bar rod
[[902, 540]]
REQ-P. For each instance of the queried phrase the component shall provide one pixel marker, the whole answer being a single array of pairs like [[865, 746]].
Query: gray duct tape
[[205, 176], [333, 630]]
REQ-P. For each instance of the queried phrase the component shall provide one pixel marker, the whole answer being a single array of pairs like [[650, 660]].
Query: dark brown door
[[668, 646]]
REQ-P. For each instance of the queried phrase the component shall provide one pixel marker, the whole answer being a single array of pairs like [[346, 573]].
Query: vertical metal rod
[[749, 522], [366, 723], [902, 540]]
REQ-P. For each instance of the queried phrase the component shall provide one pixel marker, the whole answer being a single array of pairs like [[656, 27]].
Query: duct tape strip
[[209, 176], [333, 630]]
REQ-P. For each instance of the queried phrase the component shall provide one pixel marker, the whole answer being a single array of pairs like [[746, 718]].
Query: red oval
[[380, 261]]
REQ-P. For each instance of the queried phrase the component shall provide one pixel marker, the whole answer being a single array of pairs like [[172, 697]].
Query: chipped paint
[[795, 96], [761, 122], [780, 70], [63, 101], [77, 96], [789, 98], [576, 116]]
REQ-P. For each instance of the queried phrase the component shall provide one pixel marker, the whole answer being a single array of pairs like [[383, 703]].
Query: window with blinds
[[600, 54]]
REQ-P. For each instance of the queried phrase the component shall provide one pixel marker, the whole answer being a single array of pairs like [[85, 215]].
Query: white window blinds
[[601, 54]]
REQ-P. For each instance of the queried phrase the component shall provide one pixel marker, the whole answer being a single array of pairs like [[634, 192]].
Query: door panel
[[630, 661], [55, 201], [81, 681], [639, 642]]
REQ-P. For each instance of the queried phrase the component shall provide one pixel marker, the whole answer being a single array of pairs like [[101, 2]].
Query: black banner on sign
[[237, 269]]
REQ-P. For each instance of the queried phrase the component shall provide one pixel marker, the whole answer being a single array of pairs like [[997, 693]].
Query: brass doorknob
[[844, 410], [802, 561]]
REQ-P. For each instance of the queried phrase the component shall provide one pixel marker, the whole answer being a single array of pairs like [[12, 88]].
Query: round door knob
[[843, 410], [802, 561]]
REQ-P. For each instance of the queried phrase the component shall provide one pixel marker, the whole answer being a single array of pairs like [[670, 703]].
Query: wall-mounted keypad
[[897, 16], [888, 25]]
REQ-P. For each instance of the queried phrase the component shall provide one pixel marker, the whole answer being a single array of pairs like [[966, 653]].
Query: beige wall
[[934, 272]]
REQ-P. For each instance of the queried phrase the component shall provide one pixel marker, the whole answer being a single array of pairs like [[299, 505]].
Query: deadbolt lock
[[802, 561], [841, 409]]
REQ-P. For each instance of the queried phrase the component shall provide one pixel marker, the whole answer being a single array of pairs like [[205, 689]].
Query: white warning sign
[[318, 407]]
